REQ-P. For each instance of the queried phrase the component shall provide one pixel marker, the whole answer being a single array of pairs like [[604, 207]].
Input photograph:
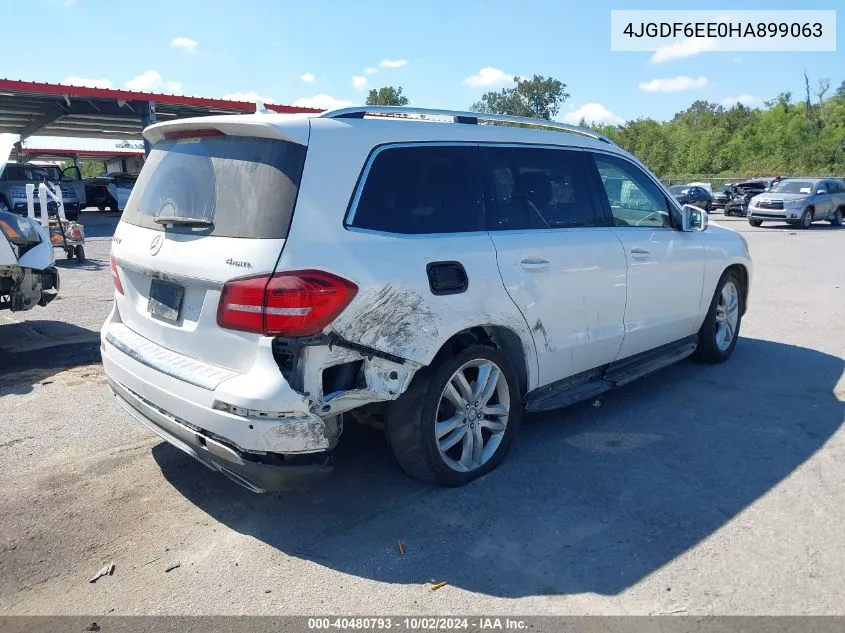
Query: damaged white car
[[28, 275], [276, 276]]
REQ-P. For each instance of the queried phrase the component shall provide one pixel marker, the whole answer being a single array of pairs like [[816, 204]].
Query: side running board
[[592, 383]]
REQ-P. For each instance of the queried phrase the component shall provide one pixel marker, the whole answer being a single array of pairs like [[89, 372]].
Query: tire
[[708, 206], [754, 222], [713, 345], [836, 218], [69, 253], [806, 220], [79, 251], [4, 206], [412, 419]]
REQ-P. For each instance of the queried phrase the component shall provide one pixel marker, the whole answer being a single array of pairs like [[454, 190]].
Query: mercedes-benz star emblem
[[155, 245]]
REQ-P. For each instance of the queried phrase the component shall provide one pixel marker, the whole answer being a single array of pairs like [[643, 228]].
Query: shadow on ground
[[32, 351], [592, 499], [99, 224], [86, 264]]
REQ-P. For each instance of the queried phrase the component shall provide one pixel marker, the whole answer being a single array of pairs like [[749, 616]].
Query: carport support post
[[148, 117]]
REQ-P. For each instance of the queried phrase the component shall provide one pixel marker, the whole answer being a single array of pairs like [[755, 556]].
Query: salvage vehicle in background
[[452, 276], [120, 187], [28, 276], [109, 191], [692, 194], [16, 176], [800, 202], [721, 197], [741, 194]]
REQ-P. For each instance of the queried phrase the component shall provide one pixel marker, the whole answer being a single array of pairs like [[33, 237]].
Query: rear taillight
[[298, 303], [115, 277]]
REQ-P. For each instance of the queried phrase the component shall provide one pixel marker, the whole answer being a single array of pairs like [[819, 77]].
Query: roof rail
[[459, 116]]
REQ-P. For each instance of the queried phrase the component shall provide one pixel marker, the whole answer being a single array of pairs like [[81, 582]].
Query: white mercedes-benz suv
[[437, 272]]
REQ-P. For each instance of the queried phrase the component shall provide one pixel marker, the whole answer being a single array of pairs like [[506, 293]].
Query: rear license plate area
[[165, 300]]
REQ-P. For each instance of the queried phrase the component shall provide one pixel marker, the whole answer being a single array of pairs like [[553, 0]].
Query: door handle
[[640, 252], [535, 263]]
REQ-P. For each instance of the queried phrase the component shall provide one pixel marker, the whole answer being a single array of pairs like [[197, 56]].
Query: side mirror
[[693, 218], [821, 192]]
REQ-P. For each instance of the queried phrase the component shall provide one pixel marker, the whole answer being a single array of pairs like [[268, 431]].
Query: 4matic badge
[[239, 264]]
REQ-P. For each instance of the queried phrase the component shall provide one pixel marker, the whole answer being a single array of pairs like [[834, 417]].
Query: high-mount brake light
[[178, 134]]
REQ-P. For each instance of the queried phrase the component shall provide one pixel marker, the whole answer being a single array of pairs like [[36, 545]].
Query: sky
[[444, 54]]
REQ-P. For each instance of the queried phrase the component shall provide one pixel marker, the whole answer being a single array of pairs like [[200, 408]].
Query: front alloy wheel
[[719, 332], [836, 218], [727, 315], [806, 219], [458, 418]]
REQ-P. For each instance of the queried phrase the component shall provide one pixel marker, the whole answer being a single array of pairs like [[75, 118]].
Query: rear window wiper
[[175, 220]]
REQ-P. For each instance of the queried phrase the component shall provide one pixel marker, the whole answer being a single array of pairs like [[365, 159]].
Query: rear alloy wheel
[[457, 420], [806, 219], [836, 218], [754, 222], [720, 330]]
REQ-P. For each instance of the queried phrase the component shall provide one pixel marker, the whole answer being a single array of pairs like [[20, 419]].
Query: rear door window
[[537, 188], [245, 186], [421, 189]]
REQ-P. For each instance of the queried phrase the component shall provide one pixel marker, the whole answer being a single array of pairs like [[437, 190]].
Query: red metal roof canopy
[[28, 108], [40, 153]]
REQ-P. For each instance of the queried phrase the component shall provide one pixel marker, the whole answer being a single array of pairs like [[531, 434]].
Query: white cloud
[[489, 76], [185, 43], [744, 99], [148, 81], [370, 70], [393, 63], [593, 113], [323, 102], [308, 78], [174, 87], [689, 47], [86, 82], [250, 96], [359, 82], [675, 84]]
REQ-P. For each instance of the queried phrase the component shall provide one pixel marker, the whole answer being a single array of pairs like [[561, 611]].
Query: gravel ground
[[700, 490]]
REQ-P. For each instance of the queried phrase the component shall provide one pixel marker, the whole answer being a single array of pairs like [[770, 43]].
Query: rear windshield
[[246, 186]]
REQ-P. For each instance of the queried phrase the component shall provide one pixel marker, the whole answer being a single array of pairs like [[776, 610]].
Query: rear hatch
[[207, 207]]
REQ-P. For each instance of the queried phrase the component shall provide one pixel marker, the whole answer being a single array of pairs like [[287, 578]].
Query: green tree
[[387, 96], [538, 97]]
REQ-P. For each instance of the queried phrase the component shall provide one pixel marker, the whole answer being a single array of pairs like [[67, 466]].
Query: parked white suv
[[273, 273]]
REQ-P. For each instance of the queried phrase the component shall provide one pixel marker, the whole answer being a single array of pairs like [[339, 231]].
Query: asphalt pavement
[[701, 490]]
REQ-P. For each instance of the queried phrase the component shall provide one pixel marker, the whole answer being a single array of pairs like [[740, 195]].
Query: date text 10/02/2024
[[417, 623]]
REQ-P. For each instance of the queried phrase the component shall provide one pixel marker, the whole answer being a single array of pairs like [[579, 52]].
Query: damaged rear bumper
[[258, 473]]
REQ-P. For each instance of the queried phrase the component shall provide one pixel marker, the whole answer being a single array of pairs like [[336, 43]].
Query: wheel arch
[[743, 274], [499, 337]]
